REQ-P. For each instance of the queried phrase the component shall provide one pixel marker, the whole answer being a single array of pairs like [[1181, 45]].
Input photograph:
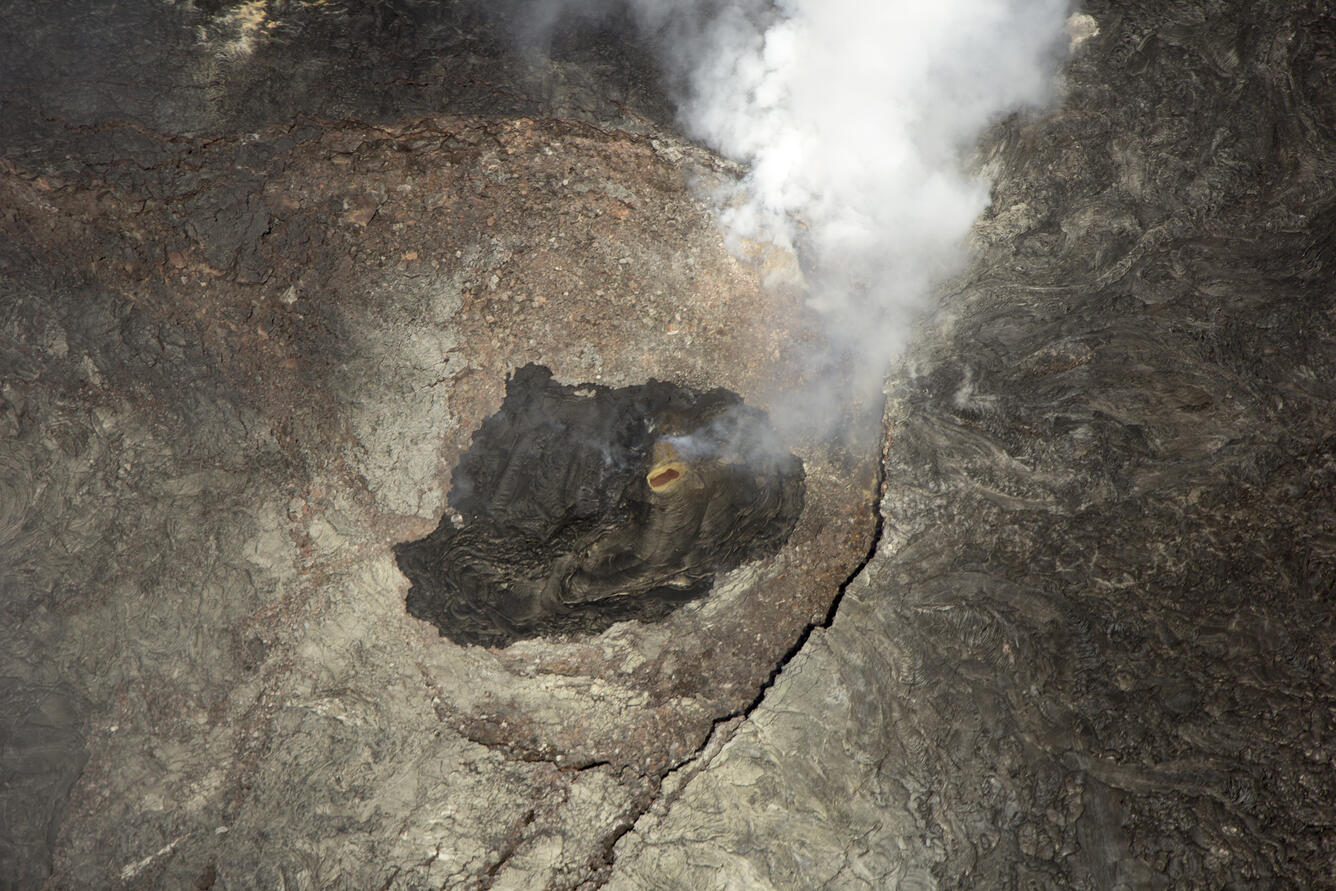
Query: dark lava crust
[[583, 506]]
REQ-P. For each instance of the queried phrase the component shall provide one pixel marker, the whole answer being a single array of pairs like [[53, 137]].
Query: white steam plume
[[853, 117]]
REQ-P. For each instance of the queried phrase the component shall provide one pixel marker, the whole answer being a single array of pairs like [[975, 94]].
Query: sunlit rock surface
[[263, 271]]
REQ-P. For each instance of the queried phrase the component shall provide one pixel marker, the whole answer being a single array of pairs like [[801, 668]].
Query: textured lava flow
[[582, 506]]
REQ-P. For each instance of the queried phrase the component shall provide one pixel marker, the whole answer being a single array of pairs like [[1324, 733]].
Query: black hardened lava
[[580, 506]]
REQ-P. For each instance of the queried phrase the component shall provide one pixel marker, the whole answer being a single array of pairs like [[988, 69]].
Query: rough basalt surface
[[246, 334], [1097, 645], [264, 267]]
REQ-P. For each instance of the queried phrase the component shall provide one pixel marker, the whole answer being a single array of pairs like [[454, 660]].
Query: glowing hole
[[663, 478]]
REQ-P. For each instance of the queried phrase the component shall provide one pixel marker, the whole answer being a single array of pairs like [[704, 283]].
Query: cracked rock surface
[[244, 344], [1095, 648], [265, 267]]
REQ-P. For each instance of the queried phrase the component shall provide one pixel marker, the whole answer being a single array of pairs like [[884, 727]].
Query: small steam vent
[[584, 506]]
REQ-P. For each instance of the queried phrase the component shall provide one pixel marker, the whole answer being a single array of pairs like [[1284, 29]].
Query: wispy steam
[[853, 117]]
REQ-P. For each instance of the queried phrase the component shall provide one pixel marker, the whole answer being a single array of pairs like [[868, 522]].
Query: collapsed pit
[[582, 506]]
